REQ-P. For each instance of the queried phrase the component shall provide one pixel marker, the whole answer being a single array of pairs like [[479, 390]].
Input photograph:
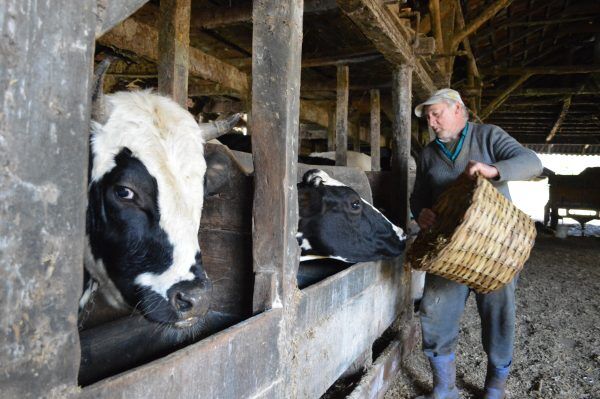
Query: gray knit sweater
[[484, 143]]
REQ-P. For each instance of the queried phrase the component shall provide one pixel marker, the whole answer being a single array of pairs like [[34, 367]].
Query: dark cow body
[[336, 223]]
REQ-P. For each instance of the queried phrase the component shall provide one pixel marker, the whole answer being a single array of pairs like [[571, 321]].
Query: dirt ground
[[557, 348]]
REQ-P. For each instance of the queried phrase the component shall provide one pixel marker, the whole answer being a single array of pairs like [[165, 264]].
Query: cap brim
[[419, 108]]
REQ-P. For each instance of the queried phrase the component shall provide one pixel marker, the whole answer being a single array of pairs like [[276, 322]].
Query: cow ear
[[312, 178], [218, 166]]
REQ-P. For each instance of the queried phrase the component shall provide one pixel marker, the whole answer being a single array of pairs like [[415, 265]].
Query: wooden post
[[356, 132], [47, 58], [276, 51], [375, 131], [401, 96], [341, 116], [436, 23], [331, 131], [174, 49]]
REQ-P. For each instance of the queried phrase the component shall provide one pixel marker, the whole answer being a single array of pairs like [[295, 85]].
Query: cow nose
[[190, 298]]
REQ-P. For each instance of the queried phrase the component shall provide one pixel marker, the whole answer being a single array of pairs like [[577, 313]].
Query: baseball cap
[[438, 97]]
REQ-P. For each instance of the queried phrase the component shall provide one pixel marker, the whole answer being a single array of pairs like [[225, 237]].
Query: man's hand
[[426, 219], [485, 170]]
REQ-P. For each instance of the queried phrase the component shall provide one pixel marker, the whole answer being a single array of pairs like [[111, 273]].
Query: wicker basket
[[479, 239]]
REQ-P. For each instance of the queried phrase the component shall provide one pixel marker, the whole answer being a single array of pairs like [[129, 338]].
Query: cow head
[[145, 201], [335, 222]]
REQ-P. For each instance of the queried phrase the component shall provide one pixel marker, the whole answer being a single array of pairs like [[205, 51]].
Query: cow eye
[[355, 205], [124, 193]]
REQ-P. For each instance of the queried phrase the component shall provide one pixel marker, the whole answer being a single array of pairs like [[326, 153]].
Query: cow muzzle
[[190, 301]]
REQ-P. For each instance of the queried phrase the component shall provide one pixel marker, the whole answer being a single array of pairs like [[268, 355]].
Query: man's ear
[[218, 166]]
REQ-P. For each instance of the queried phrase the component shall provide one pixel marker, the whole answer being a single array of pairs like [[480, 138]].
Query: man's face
[[444, 119]]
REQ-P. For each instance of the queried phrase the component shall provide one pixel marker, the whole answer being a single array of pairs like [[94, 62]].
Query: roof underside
[[555, 110]]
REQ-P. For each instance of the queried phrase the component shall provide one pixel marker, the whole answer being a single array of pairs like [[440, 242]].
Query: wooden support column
[[174, 49], [45, 84], [341, 116], [331, 131], [402, 95], [561, 118], [276, 51], [355, 128], [436, 23], [375, 131], [502, 97]]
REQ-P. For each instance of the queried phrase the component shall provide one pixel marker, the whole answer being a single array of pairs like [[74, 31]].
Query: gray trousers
[[441, 309]]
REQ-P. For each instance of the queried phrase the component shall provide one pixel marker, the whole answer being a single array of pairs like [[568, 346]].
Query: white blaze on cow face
[[168, 141]]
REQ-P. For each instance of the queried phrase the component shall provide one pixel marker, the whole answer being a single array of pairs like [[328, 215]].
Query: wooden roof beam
[[126, 36], [482, 18], [225, 16], [561, 118], [502, 97], [382, 28], [543, 70], [228, 79], [109, 13]]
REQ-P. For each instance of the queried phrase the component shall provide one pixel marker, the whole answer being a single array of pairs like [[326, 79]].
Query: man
[[465, 147]]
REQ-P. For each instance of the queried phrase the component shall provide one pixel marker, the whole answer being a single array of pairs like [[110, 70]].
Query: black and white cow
[[146, 193], [336, 223]]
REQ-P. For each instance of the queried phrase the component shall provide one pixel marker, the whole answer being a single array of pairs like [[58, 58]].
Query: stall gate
[[297, 343]]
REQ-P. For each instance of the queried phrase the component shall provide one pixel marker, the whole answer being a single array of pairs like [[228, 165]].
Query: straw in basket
[[479, 239]]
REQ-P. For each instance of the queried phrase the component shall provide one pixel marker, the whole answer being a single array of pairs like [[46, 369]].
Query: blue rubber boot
[[495, 382], [443, 368]]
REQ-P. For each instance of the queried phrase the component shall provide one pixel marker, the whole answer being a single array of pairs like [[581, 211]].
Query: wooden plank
[[502, 97], [276, 51], [375, 131], [339, 318], [390, 38], [110, 13], [207, 369], [484, 16], [401, 97], [174, 49], [380, 375], [127, 36], [341, 116], [561, 117], [47, 57]]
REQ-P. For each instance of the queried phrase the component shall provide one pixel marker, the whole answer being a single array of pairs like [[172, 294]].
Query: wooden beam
[[482, 18], [127, 36], [543, 70], [224, 16], [544, 92], [274, 124], [174, 49], [110, 13], [502, 97], [401, 97], [341, 116], [375, 131], [561, 117], [390, 37]]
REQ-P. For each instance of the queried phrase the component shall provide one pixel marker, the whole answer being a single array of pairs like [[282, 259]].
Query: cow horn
[[212, 130], [98, 103]]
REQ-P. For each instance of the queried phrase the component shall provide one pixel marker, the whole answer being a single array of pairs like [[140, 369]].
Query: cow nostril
[[183, 302]]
